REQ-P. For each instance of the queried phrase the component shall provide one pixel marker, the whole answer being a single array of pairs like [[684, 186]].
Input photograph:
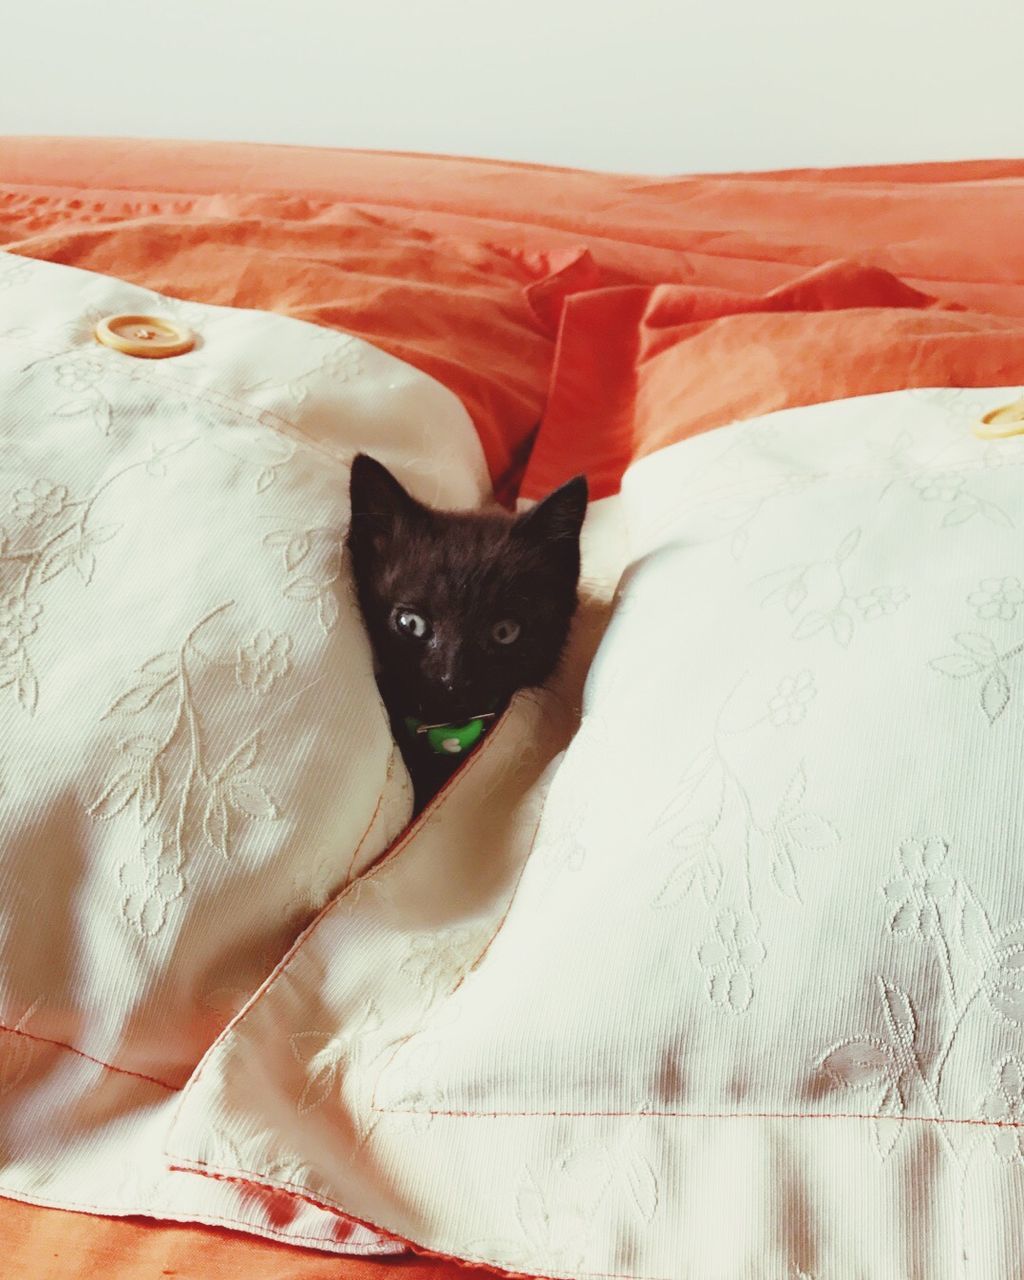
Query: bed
[[622, 326]]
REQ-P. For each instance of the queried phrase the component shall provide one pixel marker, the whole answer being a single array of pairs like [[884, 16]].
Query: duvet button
[[1007, 420], [149, 337]]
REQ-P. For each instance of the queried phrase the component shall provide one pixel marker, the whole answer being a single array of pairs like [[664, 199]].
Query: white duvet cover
[[726, 985], [193, 756], [749, 1002]]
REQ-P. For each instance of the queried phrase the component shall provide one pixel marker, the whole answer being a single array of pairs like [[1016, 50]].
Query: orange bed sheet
[[462, 267], [479, 272]]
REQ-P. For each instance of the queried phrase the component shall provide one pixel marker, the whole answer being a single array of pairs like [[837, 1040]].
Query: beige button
[[150, 337], [997, 424]]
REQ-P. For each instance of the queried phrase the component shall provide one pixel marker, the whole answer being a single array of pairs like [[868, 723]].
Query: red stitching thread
[[696, 1115], [121, 1071]]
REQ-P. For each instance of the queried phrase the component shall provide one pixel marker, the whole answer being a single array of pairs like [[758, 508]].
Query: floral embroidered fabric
[[745, 999], [193, 756]]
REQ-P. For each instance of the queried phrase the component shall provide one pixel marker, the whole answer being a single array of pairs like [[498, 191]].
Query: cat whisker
[[444, 724]]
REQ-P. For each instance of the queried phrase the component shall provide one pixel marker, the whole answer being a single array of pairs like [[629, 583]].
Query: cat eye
[[409, 623], [506, 631]]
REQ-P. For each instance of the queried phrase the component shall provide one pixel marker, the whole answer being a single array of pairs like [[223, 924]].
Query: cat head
[[463, 608]]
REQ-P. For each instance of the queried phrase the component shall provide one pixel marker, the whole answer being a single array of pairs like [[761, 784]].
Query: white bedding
[[193, 755], [748, 1004], [724, 986]]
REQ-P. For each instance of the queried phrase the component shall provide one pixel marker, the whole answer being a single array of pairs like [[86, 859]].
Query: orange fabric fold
[[639, 369], [42, 1243]]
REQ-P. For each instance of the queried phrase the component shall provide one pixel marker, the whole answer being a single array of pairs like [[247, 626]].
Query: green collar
[[448, 739]]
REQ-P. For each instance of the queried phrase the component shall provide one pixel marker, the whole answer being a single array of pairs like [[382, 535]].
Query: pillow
[[456, 309], [731, 986], [193, 754]]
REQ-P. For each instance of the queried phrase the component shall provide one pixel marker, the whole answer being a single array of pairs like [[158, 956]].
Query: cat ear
[[559, 516], [375, 493]]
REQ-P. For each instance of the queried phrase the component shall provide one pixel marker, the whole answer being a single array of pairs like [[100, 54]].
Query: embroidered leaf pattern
[[899, 1014], [297, 550], [150, 793], [139, 696], [215, 822], [795, 828], [327, 610], [978, 655], [162, 666], [714, 817], [819, 595], [858, 1064], [795, 596], [694, 845], [693, 776], [156, 464], [59, 559], [904, 1069], [115, 798], [978, 644], [312, 1050], [848, 546], [1004, 981], [324, 1058], [679, 883], [303, 589], [49, 532], [242, 758], [810, 624], [810, 831], [958, 515], [879, 1067], [72, 408], [248, 797], [180, 800], [307, 549], [974, 932], [842, 628], [642, 1185], [95, 404], [957, 666], [887, 1126], [995, 694], [531, 1211]]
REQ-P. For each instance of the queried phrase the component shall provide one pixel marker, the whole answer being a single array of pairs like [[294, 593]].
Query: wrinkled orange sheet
[[44, 1244], [463, 268], [645, 367]]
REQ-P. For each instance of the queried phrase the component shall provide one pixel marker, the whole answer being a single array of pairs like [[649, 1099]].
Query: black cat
[[463, 609]]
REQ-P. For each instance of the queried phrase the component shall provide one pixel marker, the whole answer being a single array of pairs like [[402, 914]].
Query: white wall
[[642, 84]]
